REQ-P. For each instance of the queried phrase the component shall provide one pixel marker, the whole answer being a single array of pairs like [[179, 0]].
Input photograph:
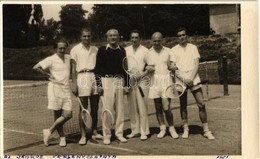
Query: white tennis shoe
[[46, 136], [62, 142], [132, 135], [185, 134], [143, 137], [122, 139], [97, 137], [162, 131], [173, 133], [82, 141], [106, 141], [209, 135]]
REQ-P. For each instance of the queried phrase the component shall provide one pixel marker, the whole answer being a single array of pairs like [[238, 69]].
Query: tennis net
[[26, 114]]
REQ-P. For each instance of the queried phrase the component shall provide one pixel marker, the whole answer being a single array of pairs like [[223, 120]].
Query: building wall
[[223, 18]]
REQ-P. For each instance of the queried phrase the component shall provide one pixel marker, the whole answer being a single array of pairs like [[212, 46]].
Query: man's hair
[[182, 29], [85, 29], [112, 30], [136, 31], [62, 40], [157, 34]]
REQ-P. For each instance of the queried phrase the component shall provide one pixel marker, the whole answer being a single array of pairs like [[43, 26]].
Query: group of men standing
[[96, 70]]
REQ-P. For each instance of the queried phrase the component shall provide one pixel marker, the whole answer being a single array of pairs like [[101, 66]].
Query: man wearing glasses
[[185, 58]]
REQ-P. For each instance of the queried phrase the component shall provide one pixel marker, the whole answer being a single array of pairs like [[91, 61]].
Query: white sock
[[186, 127], [205, 127], [172, 128]]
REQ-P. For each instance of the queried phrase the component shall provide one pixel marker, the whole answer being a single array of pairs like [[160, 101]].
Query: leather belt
[[86, 70]]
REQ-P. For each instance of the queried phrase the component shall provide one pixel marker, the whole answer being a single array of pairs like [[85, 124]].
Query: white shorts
[[86, 84], [59, 97], [159, 84], [187, 74]]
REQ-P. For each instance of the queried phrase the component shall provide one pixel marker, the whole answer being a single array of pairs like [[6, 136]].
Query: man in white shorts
[[83, 57], [57, 67], [159, 56], [136, 103], [185, 58]]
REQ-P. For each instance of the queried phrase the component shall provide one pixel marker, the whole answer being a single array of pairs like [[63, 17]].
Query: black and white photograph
[[129, 80]]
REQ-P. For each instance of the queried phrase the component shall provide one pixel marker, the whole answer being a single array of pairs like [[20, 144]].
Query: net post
[[225, 75]]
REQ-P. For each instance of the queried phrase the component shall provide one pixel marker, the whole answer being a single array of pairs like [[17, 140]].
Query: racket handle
[[141, 91], [203, 82]]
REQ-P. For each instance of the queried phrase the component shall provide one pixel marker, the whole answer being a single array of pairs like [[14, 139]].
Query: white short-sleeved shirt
[[161, 78], [185, 57], [59, 69], [139, 54], [86, 59], [159, 60]]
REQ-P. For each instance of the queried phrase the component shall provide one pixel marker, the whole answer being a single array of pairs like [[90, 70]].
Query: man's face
[[183, 39], [112, 37], [157, 41], [86, 37], [61, 47], [135, 39]]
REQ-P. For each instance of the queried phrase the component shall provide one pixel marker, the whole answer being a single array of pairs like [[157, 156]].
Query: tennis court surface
[[26, 114]]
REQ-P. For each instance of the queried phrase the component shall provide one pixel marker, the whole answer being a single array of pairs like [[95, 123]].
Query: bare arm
[[74, 76], [39, 69], [74, 73]]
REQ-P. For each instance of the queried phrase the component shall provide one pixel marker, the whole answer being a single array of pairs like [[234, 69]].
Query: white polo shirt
[[185, 57], [59, 70], [139, 54], [86, 59], [159, 60]]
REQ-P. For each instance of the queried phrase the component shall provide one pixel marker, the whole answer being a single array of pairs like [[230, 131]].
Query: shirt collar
[[137, 47], [163, 47], [83, 47], [109, 46], [182, 47]]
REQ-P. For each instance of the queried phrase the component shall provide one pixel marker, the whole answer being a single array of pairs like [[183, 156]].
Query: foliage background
[[18, 63], [27, 43]]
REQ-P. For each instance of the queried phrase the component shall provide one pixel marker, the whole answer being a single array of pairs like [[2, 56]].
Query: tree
[[16, 29], [15, 18], [149, 18], [72, 20]]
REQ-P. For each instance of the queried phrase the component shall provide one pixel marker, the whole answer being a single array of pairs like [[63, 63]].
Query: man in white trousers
[[136, 103], [112, 81]]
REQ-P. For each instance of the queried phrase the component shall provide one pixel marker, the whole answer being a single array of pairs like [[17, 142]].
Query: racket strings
[[86, 118], [172, 92], [108, 119]]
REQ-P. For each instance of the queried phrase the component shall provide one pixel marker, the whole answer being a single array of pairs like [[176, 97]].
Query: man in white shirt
[[136, 103], [83, 57], [57, 67], [158, 56], [185, 58]]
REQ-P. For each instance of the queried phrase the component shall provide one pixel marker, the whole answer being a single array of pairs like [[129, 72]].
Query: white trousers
[[138, 111], [113, 101]]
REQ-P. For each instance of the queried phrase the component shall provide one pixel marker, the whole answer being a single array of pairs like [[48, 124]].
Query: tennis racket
[[130, 66], [85, 115], [107, 116], [178, 87]]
